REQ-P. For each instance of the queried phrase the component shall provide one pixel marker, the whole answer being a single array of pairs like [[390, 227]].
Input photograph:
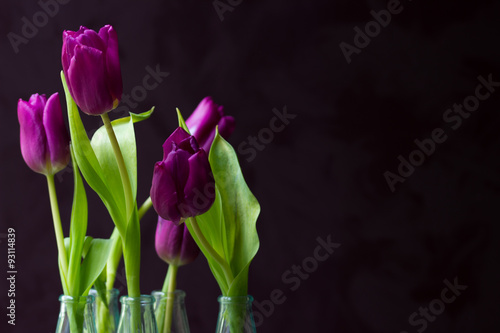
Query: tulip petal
[[88, 82], [32, 136], [203, 119], [226, 126], [91, 39], [189, 144], [199, 190], [109, 37], [161, 198], [174, 244], [57, 134], [37, 101], [168, 240], [177, 164], [189, 248], [68, 47], [177, 136], [169, 178]]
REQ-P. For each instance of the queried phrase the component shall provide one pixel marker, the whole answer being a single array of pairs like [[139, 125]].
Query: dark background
[[322, 176]]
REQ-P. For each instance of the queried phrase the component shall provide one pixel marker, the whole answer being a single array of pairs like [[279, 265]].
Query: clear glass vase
[[178, 319], [137, 315], [107, 314], [76, 315], [235, 315]]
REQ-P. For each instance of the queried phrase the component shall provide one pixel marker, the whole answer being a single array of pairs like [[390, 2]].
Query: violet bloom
[[44, 137], [92, 69], [205, 118], [183, 185], [174, 244]]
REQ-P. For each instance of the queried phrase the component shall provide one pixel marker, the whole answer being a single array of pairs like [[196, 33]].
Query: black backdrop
[[320, 178]]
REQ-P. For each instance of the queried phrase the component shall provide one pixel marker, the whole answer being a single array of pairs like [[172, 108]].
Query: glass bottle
[[137, 315], [107, 314], [179, 321], [235, 315], [76, 315]]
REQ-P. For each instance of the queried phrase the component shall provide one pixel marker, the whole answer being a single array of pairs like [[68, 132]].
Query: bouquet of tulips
[[198, 189]]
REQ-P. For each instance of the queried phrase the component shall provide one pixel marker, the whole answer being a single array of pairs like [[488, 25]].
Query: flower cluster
[[198, 191]]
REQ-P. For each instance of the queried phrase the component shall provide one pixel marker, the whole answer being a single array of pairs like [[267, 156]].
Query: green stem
[[145, 207], [56, 218], [167, 326], [131, 247], [161, 308], [211, 251], [113, 259], [116, 250], [167, 280], [127, 188]]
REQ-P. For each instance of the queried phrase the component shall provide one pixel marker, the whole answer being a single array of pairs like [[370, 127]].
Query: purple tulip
[[174, 244], [92, 69], [183, 185], [205, 118], [44, 137]]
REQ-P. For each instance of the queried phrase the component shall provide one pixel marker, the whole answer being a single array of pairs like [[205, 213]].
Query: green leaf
[[230, 224], [78, 229], [182, 123], [125, 134], [211, 224], [94, 263], [100, 287], [89, 164], [138, 117], [86, 246]]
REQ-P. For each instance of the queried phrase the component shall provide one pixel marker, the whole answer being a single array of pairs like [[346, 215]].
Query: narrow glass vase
[[107, 314], [235, 315], [137, 315], [76, 315], [179, 322]]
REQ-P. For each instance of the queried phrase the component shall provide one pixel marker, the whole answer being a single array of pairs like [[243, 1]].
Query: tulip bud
[[44, 138], [92, 69], [205, 118], [183, 185], [174, 244]]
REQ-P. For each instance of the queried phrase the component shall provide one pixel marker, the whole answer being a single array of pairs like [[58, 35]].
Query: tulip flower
[[174, 244], [44, 137], [205, 118], [92, 69], [183, 185]]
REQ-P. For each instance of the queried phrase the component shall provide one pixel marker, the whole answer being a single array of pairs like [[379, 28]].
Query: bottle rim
[[235, 299], [66, 299], [143, 299], [112, 292], [176, 293]]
